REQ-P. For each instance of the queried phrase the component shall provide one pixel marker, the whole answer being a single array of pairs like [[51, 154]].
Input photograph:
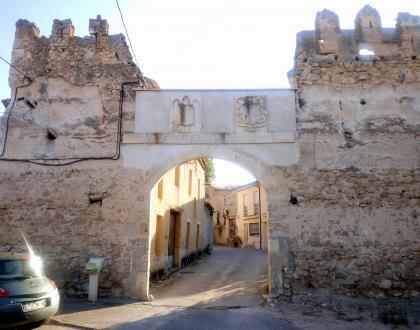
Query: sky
[[198, 43], [230, 174]]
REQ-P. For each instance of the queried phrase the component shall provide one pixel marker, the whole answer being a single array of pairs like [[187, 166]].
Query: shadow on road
[[226, 285]]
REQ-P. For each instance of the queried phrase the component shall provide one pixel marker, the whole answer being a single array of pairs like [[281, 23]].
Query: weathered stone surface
[[385, 284], [344, 200], [357, 181]]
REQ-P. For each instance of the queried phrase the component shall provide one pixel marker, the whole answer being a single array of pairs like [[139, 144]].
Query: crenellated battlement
[[368, 46], [74, 88], [368, 33], [98, 26], [65, 55]]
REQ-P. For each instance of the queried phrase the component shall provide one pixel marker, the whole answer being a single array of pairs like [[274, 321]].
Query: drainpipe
[[259, 211]]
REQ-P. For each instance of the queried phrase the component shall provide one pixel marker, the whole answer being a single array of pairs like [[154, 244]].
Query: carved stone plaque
[[251, 112], [185, 114]]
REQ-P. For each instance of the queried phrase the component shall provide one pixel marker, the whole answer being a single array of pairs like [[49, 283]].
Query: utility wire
[[143, 81], [67, 160], [207, 23], [9, 114], [14, 67]]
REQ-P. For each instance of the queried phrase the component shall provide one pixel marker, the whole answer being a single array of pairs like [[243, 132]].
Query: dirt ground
[[323, 309]]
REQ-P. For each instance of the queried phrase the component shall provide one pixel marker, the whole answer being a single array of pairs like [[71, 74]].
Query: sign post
[[93, 268]]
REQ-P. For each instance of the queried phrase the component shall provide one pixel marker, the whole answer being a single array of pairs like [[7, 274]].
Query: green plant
[[236, 241], [210, 173]]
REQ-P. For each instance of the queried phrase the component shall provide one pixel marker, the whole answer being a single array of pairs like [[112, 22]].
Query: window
[[256, 208], [195, 208], [245, 211], [16, 268], [177, 175], [198, 188], [256, 202], [254, 229], [158, 235], [190, 182], [160, 189], [187, 243]]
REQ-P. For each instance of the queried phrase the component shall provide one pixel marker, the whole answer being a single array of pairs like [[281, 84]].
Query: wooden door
[[171, 240]]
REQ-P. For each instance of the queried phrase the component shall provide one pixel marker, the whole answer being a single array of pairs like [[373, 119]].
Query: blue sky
[[196, 43]]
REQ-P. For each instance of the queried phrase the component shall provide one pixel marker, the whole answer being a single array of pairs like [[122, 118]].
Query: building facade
[[224, 217], [180, 227], [252, 216], [236, 219]]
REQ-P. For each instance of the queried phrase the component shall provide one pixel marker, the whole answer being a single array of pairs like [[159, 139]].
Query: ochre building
[[180, 227], [252, 216]]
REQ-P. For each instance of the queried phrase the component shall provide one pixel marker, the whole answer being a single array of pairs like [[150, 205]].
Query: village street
[[221, 291]]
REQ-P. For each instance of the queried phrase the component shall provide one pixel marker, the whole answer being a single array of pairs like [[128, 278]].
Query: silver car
[[26, 295]]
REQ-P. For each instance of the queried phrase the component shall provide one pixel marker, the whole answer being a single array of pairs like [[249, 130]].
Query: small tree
[[210, 174]]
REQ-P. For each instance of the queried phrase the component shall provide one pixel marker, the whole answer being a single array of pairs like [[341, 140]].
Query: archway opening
[[241, 207], [207, 216]]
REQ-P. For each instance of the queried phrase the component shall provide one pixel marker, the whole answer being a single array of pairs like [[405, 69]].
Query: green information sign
[[94, 265]]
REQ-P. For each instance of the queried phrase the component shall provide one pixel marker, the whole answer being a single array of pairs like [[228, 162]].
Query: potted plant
[[236, 241]]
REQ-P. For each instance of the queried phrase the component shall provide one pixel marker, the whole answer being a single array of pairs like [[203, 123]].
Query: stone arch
[[258, 168], [265, 172]]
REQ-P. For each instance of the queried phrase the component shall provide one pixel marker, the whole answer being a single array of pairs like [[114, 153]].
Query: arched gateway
[[81, 147], [256, 129]]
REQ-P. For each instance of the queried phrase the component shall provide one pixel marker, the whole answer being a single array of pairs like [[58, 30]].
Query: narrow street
[[228, 278], [221, 291]]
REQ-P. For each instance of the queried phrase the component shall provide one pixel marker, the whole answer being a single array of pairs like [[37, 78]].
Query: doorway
[[174, 239]]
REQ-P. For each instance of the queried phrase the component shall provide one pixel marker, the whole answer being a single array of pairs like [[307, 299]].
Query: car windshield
[[15, 268]]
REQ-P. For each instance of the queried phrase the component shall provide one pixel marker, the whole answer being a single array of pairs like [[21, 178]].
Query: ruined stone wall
[[70, 107], [72, 213], [345, 215], [71, 88], [355, 192]]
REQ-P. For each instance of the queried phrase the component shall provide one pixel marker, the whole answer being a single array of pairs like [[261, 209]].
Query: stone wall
[[70, 92], [355, 192], [345, 215], [72, 213], [69, 107]]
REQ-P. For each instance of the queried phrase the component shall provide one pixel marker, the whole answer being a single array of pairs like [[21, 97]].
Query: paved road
[[222, 291], [228, 278]]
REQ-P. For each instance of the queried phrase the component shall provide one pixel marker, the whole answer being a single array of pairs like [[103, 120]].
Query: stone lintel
[[209, 138]]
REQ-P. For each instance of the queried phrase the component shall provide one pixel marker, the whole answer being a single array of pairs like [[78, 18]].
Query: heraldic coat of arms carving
[[184, 114], [251, 112]]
